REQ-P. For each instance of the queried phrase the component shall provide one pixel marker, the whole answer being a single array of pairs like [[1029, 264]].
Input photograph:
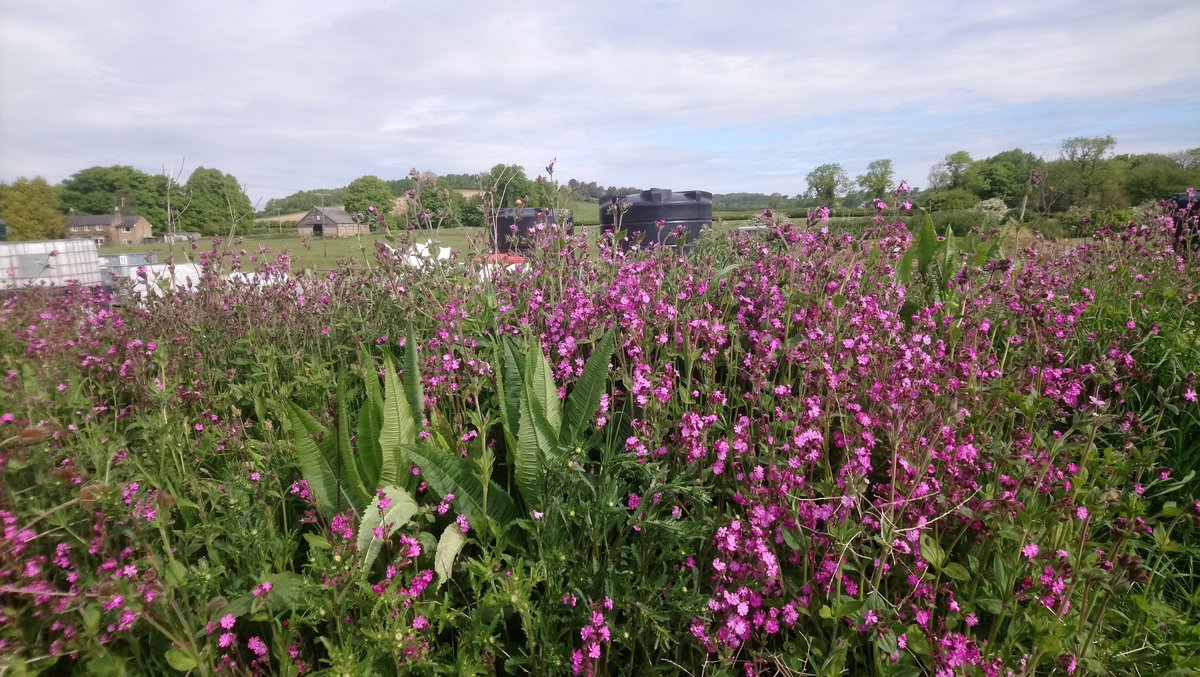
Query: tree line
[[1086, 174], [209, 202]]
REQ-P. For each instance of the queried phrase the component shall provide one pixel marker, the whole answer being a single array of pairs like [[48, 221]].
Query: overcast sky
[[290, 95]]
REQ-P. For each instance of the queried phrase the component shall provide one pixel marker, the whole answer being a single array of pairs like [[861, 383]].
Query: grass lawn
[[317, 254]]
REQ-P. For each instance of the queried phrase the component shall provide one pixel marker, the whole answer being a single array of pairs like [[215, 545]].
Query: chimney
[[116, 216]]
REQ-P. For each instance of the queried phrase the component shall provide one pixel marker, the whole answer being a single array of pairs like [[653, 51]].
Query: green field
[[317, 254]]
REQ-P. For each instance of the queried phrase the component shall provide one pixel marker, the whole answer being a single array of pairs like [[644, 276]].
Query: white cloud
[[294, 95]]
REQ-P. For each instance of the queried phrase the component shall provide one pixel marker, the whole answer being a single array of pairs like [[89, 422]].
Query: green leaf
[[539, 385], [400, 510], [175, 575], [105, 666], [957, 571], [318, 542], [536, 445], [1050, 644], [932, 551], [91, 619], [398, 428], [182, 660], [904, 267], [508, 369], [370, 424], [990, 605], [916, 640], [448, 547], [347, 462], [315, 465], [584, 399], [927, 245], [412, 374], [449, 474]]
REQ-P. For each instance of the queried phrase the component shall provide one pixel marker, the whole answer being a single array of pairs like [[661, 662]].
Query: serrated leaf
[[449, 474], [539, 385], [398, 428], [584, 400], [315, 465], [448, 547], [536, 446], [349, 474], [182, 660], [400, 510], [412, 374], [369, 426], [509, 386]]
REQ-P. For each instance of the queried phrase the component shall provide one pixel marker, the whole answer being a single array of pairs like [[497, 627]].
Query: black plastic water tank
[[657, 216], [520, 223]]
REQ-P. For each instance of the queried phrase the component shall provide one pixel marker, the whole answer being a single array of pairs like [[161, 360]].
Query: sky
[[290, 95]]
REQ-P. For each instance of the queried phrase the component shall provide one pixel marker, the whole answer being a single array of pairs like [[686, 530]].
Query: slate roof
[[91, 220], [101, 220], [329, 215]]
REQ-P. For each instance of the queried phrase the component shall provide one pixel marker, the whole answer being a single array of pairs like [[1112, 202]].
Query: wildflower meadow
[[793, 452]]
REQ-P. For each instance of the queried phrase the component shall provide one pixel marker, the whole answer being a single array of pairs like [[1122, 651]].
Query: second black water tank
[[657, 216]]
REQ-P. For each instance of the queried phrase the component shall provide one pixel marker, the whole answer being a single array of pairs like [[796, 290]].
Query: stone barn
[[330, 222]]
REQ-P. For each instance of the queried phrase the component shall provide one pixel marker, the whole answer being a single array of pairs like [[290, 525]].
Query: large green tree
[[1087, 159], [366, 192], [827, 182], [213, 203], [30, 207], [1153, 176], [1005, 175], [877, 182], [510, 184], [949, 172], [98, 190]]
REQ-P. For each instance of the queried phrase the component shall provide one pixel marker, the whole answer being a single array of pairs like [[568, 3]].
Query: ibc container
[[51, 262], [519, 223], [657, 216]]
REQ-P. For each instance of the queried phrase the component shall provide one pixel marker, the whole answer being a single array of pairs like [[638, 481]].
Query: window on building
[[127, 229]]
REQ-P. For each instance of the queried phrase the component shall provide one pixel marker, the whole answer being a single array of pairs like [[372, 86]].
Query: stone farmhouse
[[109, 229]]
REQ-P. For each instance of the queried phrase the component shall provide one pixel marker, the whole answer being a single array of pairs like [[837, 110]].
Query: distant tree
[[98, 190], [1153, 176], [1004, 175], [510, 184], [366, 192], [215, 202], [827, 182], [1088, 158], [946, 200], [30, 207], [877, 182], [1188, 159], [949, 172], [304, 200]]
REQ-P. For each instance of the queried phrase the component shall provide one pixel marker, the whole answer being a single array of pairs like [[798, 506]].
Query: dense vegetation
[[809, 453], [1086, 186]]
